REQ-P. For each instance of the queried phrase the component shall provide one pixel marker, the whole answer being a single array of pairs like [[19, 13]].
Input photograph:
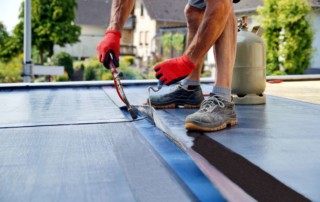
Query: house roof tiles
[[166, 10], [93, 12]]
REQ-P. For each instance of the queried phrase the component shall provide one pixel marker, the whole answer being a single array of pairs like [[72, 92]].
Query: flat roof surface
[[273, 153], [75, 143]]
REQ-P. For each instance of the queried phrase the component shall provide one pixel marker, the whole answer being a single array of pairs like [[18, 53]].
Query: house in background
[[142, 32], [140, 35], [151, 16], [93, 16]]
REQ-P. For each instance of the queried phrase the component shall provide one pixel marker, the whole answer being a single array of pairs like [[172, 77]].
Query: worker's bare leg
[[218, 111], [213, 23], [217, 27], [225, 53], [194, 18]]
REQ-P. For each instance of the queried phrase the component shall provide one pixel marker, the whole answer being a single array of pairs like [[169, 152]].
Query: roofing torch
[[116, 79]]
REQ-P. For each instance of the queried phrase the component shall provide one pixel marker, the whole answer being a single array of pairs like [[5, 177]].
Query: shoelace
[[211, 103], [176, 88]]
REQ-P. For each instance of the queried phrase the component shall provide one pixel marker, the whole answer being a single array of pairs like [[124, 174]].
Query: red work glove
[[110, 43], [174, 70]]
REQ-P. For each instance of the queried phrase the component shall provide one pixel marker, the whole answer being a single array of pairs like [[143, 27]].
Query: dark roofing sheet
[[273, 153]]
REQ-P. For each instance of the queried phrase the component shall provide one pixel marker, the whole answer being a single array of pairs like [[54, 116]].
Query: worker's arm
[[120, 11], [111, 42], [211, 27]]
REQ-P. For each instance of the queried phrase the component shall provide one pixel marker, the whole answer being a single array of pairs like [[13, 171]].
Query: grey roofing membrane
[[273, 153], [75, 144], [103, 162], [31, 107], [52, 150]]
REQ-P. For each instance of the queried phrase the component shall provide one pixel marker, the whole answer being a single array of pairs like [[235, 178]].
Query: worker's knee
[[193, 16]]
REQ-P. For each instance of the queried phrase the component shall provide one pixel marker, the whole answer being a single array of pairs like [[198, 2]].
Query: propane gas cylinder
[[249, 73]]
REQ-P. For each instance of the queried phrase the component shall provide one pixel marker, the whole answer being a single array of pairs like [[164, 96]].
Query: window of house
[[141, 10], [141, 38], [146, 38]]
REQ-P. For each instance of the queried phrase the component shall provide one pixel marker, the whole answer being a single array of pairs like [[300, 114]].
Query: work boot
[[214, 114], [178, 96]]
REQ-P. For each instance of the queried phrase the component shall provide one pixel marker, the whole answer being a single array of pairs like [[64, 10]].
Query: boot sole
[[194, 127], [172, 106]]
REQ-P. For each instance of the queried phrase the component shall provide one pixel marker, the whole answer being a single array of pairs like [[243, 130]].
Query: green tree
[[52, 23], [10, 46], [178, 41], [90, 74], [166, 42], [171, 41], [271, 34], [288, 35], [297, 35], [3, 33], [64, 59]]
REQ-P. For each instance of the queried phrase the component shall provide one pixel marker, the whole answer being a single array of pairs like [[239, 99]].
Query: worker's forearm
[[213, 23], [119, 13]]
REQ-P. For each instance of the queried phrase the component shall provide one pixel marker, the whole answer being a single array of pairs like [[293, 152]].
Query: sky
[[9, 11]]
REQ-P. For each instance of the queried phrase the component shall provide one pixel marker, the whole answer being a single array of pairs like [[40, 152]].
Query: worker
[[210, 23]]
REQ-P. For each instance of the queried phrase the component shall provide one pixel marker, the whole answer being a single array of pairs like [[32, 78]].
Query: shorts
[[201, 4]]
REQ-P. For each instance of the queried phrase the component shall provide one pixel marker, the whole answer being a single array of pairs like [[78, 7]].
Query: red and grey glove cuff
[[115, 32], [186, 60]]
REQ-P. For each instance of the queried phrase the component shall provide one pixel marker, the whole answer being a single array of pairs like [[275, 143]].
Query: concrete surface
[[307, 91]]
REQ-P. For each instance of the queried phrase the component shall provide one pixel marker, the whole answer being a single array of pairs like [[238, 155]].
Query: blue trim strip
[[180, 162]]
